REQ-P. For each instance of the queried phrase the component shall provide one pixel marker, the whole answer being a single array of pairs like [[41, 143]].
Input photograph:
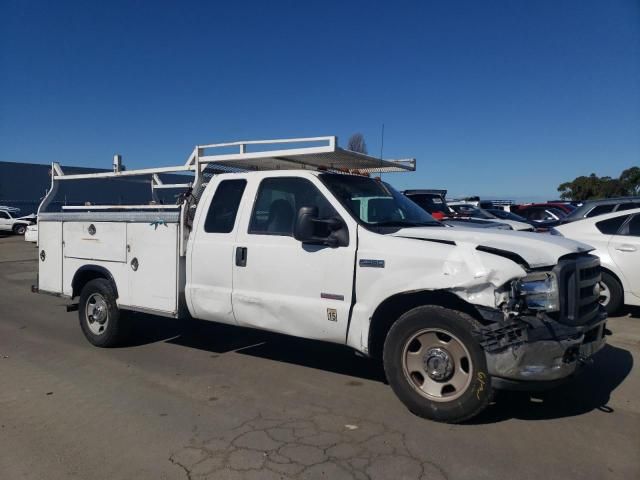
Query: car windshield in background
[[431, 203], [375, 203], [506, 215], [472, 211]]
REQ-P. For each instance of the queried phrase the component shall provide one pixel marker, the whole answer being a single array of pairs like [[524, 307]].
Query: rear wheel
[[100, 319], [435, 366], [611, 293], [19, 229]]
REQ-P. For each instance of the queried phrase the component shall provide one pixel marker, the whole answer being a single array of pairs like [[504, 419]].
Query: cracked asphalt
[[196, 400]]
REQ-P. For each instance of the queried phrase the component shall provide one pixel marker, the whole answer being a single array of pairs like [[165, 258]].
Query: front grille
[[578, 276]]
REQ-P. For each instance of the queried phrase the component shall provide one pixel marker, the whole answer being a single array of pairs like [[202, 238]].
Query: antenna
[[381, 148]]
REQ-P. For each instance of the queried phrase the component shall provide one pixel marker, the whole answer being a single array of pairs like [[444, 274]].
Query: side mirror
[[308, 228]]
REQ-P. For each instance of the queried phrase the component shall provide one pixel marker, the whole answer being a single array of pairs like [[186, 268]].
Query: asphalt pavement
[[191, 399]]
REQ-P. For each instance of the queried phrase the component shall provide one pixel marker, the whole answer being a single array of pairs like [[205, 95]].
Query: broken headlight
[[539, 291]]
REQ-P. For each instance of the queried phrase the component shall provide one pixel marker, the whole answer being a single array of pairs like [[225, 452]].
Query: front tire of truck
[[435, 366], [100, 318]]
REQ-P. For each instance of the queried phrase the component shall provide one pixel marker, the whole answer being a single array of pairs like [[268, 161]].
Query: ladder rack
[[309, 153]]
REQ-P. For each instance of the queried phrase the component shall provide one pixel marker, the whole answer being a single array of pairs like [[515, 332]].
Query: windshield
[[375, 203], [472, 211], [507, 215]]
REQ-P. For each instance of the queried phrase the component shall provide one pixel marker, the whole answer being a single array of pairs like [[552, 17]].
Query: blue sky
[[499, 98]]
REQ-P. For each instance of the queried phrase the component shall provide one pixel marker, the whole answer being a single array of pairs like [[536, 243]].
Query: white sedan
[[616, 239]]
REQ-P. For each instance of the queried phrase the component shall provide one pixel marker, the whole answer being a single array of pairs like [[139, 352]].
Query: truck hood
[[536, 249]]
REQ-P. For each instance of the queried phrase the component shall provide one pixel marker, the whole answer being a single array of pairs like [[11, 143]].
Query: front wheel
[[435, 366], [20, 229], [100, 319], [611, 293]]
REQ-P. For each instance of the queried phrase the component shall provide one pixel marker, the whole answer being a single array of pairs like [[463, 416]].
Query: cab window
[[223, 210], [278, 201]]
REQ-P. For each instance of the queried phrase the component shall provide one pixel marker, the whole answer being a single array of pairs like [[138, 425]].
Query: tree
[[592, 187], [356, 143], [630, 179]]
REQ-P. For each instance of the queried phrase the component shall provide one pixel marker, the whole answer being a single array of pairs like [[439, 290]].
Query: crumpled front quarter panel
[[416, 264]]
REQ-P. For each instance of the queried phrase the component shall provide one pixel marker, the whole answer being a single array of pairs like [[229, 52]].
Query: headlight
[[539, 291]]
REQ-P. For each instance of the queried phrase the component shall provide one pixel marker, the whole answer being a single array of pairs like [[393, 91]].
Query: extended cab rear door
[[211, 249], [279, 283]]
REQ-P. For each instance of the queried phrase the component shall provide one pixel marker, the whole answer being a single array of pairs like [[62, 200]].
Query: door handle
[[626, 248], [241, 256]]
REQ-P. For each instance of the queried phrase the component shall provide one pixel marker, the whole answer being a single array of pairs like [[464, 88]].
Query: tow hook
[[585, 360], [73, 307]]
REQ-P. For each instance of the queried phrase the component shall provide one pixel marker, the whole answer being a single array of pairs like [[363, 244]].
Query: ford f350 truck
[[301, 241]]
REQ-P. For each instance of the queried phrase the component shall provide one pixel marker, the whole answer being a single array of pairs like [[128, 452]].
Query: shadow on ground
[[633, 312], [218, 339], [589, 390]]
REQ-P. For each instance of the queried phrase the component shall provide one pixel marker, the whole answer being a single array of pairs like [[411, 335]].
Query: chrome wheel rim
[[97, 314], [437, 364], [605, 294]]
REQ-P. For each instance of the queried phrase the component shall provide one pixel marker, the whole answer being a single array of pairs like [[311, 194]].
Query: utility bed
[[146, 243]]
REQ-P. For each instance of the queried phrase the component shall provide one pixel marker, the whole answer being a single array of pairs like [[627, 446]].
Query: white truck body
[[10, 222], [241, 267]]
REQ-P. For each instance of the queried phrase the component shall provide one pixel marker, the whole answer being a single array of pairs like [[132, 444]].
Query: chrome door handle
[[626, 248]]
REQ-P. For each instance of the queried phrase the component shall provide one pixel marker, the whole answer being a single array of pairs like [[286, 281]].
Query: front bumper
[[539, 349]]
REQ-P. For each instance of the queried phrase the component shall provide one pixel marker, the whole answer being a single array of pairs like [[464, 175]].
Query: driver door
[[281, 284]]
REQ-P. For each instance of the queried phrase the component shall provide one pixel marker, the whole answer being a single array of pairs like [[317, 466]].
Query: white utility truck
[[283, 242]]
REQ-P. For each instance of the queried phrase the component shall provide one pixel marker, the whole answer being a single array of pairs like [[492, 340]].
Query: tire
[[611, 293], [100, 319], [19, 229], [459, 386]]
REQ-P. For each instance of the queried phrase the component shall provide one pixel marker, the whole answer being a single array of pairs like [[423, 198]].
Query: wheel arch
[[86, 273], [616, 278], [392, 308]]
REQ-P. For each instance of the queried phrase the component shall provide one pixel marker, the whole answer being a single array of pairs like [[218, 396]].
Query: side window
[[599, 210], [627, 206], [223, 210], [611, 225], [4, 215], [536, 214], [633, 226], [278, 202]]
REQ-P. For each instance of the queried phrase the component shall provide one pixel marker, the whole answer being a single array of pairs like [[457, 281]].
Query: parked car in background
[[616, 239], [505, 215], [550, 216], [564, 208], [471, 211], [593, 208], [31, 234], [11, 222], [434, 203]]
